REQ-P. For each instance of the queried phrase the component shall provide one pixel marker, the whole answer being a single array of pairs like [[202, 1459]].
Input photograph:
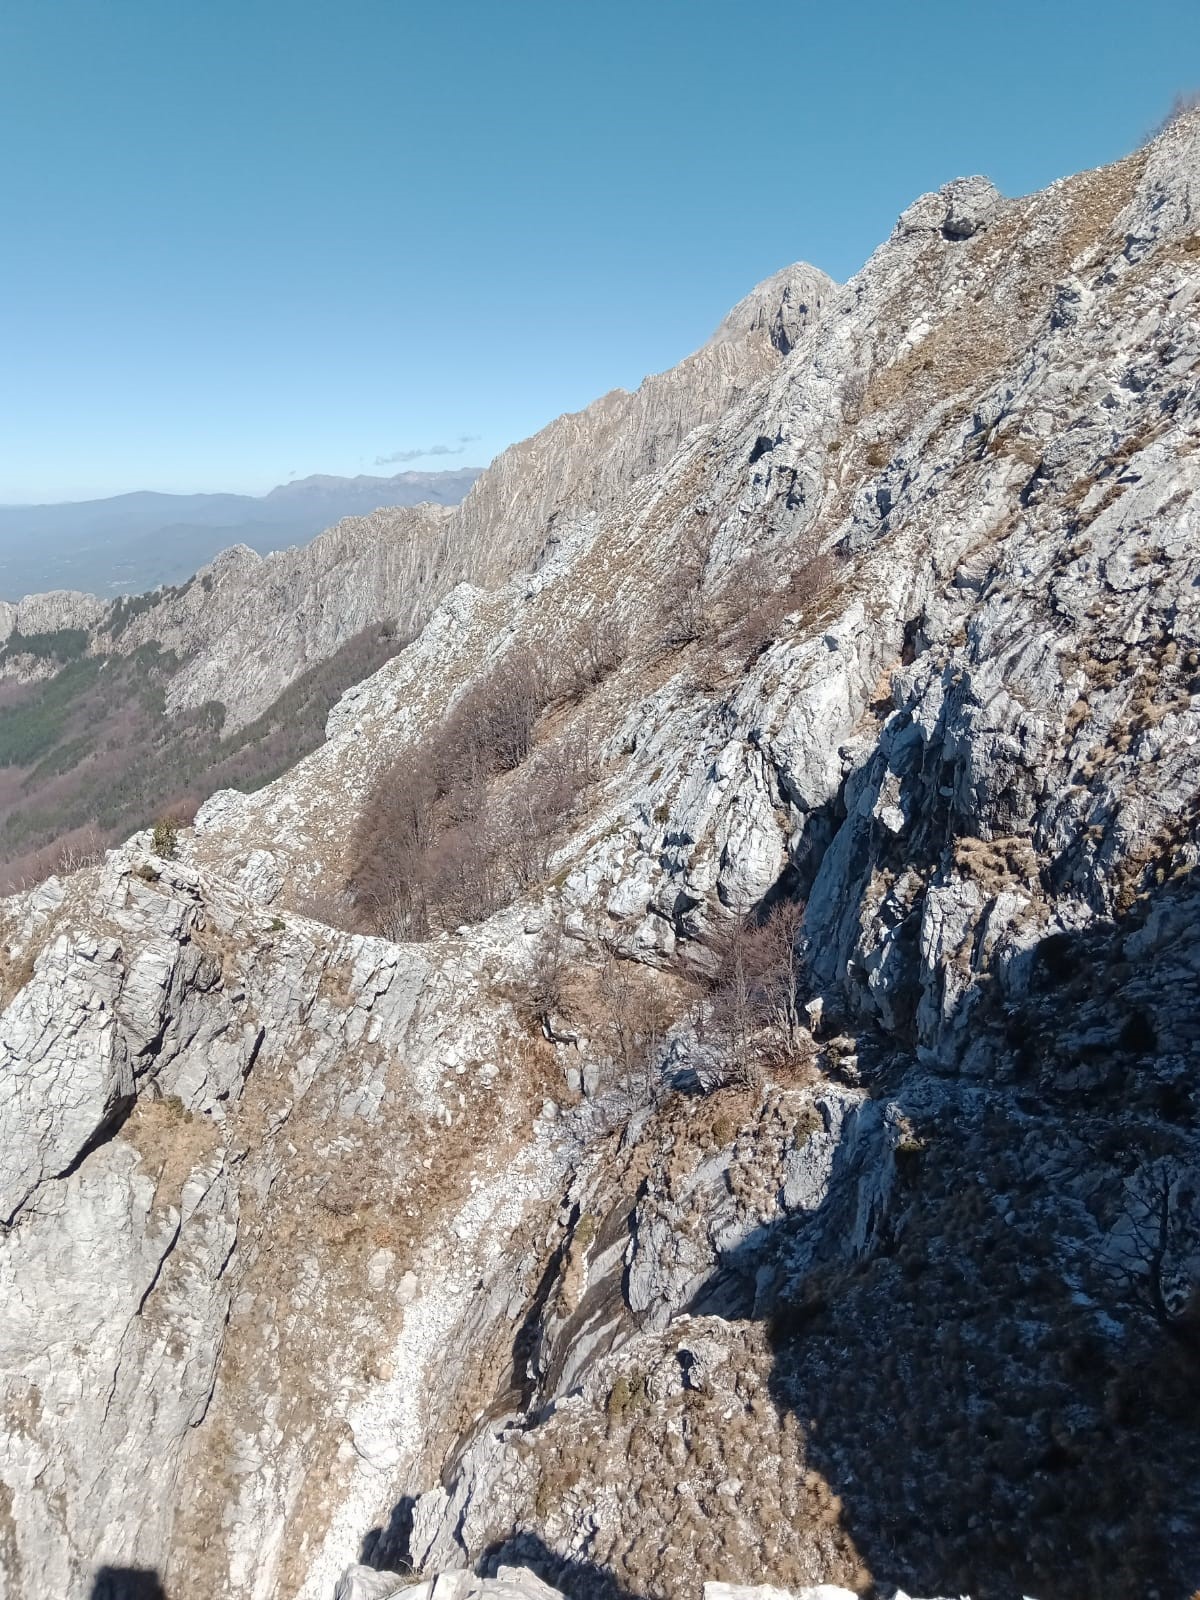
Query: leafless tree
[[1152, 1222], [765, 603], [455, 827], [601, 643], [636, 1017], [755, 989], [548, 978], [683, 589]]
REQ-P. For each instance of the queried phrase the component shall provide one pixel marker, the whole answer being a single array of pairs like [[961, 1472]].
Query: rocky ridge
[[118, 712], [518, 1583], [374, 1259]]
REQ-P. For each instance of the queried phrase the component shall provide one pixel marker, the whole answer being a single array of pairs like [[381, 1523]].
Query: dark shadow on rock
[[386, 1549], [1003, 1405], [127, 1583], [578, 1579]]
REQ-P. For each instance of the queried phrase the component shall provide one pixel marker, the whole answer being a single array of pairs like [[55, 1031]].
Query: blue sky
[[244, 239]]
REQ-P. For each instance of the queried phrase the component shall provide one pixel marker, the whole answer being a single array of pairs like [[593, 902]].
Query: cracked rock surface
[[329, 1259]]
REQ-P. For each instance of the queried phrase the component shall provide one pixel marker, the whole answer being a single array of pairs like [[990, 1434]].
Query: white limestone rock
[[290, 1235]]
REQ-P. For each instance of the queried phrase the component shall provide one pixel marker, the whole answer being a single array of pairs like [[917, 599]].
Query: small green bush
[[166, 838]]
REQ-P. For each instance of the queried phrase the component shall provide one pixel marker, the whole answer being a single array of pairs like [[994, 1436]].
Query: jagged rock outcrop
[[524, 503], [518, 1583], [909, 632], [48, 613], [249, 624], [510, 1583], [132, 543]]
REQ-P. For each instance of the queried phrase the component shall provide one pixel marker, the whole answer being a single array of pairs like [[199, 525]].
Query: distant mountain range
[[134, 542]]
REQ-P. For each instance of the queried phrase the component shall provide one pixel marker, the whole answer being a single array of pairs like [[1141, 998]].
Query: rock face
[[129, 543], [333, 1259], [583, 463], [518, 1583], [249, 624], [396, 566], [47, 613]]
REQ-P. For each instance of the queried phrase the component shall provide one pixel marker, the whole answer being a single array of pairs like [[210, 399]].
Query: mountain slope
[[621, 1225]]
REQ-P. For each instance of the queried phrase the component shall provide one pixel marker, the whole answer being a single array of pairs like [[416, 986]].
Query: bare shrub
[[601, 644], [756, 986], [469, 875], [80, 849], [334, 910], [683, 590], [490, 730], [766, 604], [636, 1015], [439, 841], [853, 393], [396, 828], [548, 994], [543, 795], [1153, 1229]]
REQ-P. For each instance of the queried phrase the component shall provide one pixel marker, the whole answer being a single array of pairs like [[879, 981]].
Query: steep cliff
[[255, 623], [542, 1241]]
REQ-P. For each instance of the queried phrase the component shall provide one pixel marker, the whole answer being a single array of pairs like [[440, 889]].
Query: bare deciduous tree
[[765, 603], [548, 979], [1152, 1221], [636, 1020], [445, 835], [683, 589], [601, 643], [755, 988]]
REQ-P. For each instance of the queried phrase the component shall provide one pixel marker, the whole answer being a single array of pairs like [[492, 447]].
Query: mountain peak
[[780, 307]]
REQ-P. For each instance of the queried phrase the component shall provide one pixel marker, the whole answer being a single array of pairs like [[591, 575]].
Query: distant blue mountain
[[134, 542]]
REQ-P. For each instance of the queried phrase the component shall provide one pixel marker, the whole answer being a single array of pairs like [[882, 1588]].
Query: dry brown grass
[[700, 1485], [997, 864], [172, 1142], [15, 971]]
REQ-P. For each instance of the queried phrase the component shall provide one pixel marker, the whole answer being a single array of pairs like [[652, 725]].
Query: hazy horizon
[[404, 474]]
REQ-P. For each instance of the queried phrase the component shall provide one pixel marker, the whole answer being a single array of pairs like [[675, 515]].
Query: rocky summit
[[693, 1083]]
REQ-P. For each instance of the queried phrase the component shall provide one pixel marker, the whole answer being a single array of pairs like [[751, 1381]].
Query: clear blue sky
[[249, 238]]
